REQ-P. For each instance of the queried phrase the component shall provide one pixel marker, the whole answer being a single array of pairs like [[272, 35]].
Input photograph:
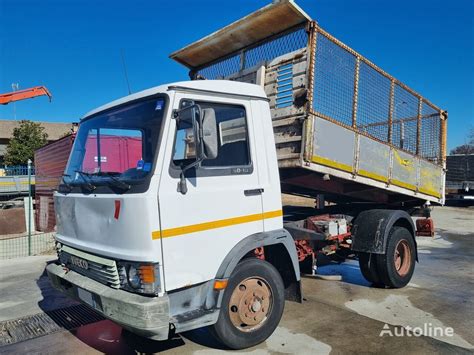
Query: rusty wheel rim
[[250, 304], [402, 258]]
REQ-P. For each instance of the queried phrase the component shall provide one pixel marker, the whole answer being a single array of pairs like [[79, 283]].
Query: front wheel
[[252, 305]]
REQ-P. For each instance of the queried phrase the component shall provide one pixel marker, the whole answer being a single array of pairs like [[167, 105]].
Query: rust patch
[[268, 21]]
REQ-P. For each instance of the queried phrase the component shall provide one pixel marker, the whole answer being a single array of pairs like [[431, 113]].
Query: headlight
[[133, 277], [140, 278]]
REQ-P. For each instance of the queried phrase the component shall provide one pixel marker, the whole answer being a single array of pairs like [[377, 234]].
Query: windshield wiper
[[83, 175], [117, 182]]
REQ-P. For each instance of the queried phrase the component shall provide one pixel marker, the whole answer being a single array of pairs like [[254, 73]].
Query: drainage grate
[[13, 331]]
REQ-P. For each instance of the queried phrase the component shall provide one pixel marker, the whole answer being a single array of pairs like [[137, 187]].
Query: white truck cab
[[151, 242]]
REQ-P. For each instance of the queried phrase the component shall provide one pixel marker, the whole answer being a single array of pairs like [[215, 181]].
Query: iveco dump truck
[[192, 233]]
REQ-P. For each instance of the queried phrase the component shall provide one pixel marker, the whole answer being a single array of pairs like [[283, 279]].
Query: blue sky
[[73, 47]]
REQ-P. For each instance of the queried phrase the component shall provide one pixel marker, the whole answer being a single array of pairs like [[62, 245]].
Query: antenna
[[125, 71], [15, 87]]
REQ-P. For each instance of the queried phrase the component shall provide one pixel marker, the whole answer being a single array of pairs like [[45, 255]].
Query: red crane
[[24, 94]]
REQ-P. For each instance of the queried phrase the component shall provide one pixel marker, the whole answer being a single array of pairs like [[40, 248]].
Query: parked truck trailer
[[460, 178], [193, 234]]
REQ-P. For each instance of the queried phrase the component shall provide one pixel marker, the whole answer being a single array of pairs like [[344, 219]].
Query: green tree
[[27, 137]]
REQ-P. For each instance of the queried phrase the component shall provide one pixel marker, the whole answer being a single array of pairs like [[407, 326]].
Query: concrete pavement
[[336, 317], [25, 289]]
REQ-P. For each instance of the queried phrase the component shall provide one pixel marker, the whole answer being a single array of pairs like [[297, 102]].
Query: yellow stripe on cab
[[193, 228]]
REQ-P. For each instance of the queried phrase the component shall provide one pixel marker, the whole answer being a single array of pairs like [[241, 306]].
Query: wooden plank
[[283, 139]]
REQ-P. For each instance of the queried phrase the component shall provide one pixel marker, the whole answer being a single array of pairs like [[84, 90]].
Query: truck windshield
[[116, 148]]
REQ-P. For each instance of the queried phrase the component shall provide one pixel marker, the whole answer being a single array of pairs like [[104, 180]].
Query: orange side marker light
[[220, 284]]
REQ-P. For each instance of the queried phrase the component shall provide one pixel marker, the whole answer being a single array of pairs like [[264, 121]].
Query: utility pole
[[30, 205]]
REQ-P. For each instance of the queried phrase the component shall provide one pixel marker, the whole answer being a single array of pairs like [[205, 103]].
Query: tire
[[368, 267], [395, 267], [252, 281]]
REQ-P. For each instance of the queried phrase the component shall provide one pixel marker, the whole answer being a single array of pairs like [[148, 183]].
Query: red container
[[50, 162], [117, 154]]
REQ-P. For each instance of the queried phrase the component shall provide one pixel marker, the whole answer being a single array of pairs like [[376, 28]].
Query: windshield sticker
[[147, 167], [140, 164], [159, 105], [102, 159]]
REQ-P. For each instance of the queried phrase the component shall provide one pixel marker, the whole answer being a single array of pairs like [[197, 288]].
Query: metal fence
[[346, 88], [17, 192], [15, 182], [23, 245], [16, 170]]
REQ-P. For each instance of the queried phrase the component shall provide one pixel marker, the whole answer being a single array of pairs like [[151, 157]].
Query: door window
[[233, 145]]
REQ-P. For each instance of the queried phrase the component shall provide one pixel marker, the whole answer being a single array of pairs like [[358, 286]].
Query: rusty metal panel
[[50, 163], [333, 145], [259, 25], [374, 159]]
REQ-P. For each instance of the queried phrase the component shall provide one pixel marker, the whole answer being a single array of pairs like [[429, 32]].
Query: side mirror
[[203, 123], [186, 119], [209, 134]]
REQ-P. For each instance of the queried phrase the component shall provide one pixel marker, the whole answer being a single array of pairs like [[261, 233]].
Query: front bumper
[[145, 316]]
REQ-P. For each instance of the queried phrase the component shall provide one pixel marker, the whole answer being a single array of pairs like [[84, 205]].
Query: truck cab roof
[[226, 87]]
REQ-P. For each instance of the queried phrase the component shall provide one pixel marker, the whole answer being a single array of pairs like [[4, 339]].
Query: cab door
[[223, 202]]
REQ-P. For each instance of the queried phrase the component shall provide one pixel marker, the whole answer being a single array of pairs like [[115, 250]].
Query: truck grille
[[92, 266]]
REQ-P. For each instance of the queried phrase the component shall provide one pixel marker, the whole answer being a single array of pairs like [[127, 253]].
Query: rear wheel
[[396, 266], [252, 305], [368, 267]]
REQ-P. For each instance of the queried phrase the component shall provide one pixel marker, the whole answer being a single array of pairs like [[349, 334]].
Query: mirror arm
[[177, 112], [182, 187]]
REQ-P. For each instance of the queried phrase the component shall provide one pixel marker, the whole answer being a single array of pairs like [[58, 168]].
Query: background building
[[54, 131]]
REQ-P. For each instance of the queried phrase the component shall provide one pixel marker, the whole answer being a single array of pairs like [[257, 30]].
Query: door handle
[[253, 192]]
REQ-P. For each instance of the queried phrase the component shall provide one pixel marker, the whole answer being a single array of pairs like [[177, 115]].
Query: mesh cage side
[[276, 47], [373, 103], [350, 90], [334, 81], [404, 126], [222, 68], [430, 133], [265, 51]]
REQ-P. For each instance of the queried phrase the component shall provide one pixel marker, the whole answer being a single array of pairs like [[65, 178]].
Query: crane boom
[[24, 94]]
